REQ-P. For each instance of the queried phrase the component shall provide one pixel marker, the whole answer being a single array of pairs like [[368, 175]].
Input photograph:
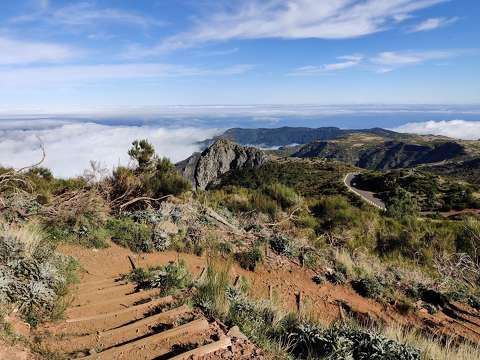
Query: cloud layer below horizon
[[457, 129], [71, 146]]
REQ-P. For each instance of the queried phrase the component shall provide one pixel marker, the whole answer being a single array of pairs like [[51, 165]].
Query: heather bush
[[32, 275]]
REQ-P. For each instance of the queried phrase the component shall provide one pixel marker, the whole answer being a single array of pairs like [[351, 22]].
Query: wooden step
[[120, 335], [155, 345], [102, 322], [98, 283], [204, 350], [91, 289], [85, 298], [109, 305]]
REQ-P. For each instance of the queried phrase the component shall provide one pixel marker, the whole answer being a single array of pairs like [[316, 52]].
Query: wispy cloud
[[349, 61], [381, 63], [67, 74], [395, 59], [15, 52], [433, 23], [459, 129], [85, 13], [291, 19]]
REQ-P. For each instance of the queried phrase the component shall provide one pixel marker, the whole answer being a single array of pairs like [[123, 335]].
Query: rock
[[236, 333], [221, 157]]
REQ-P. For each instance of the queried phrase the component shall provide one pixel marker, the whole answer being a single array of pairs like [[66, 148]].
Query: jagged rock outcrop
[[203, 169]]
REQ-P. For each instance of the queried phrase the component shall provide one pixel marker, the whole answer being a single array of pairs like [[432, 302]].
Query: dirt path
[[108, 319]]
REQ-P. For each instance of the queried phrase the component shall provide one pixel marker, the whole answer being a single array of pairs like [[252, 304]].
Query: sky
[[58, 55], [85, 78]]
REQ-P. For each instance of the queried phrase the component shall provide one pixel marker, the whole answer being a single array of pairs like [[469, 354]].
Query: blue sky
[[67, 56]]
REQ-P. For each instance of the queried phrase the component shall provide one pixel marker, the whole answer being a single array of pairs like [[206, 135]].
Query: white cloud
[[349, 61], [409, 58], [433, 23], [459, 129], [381, 63], [84, 13], [15, 52], [68, 74], [70, 146], [291, 19]]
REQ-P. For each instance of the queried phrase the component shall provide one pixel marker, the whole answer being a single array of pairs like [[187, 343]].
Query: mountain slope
[[373, 152]]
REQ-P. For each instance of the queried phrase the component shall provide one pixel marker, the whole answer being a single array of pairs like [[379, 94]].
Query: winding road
[[366, 196]]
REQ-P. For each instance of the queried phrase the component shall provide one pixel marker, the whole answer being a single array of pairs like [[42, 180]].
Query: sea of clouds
[[71, 142], [70, 146]]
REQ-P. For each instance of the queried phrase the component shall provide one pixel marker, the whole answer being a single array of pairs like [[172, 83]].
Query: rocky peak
[[202, 169]]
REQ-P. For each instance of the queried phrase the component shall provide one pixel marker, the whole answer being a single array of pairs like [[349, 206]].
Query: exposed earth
[[108, 319]]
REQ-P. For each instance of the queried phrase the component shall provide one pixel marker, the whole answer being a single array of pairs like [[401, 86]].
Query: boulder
[[203, 169]]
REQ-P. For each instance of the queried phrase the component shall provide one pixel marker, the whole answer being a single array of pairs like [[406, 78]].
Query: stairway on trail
[[108, 319]]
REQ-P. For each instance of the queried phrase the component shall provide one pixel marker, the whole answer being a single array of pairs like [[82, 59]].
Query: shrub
[[346, 342], [333, 212], [400, 204], [282, 245], [174, 275], [127, 233], [167, 278], [282, 194], [249, 259], [32, 275], [368, 287], [143, 153]]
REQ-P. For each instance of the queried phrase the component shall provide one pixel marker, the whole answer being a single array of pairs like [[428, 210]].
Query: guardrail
[[351, 189]]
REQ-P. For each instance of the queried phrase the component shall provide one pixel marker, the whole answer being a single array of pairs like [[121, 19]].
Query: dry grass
[[431, 347]]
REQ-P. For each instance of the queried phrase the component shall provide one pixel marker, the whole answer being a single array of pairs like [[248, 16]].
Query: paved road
[[367, 196]]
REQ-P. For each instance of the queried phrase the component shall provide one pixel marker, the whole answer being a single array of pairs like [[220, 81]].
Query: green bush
[[167, 278], [170, 277], [368, 287], [249, 259], [285, 196], [401, 203], [132, 235], [334, 212], [282, 245], [345, 342]]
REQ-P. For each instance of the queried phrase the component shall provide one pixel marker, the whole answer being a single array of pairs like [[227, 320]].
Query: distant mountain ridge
[[376, 148], [275, 137]]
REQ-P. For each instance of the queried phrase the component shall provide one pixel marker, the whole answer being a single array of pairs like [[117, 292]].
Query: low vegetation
[[289, 211]]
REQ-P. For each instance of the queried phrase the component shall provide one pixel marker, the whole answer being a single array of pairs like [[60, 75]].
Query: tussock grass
[[431, 347]]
